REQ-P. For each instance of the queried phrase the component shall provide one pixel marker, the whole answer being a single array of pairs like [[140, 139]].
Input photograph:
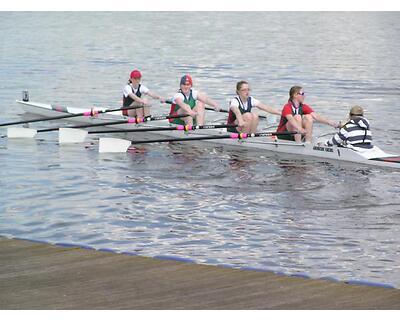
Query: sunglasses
[[301, 93]]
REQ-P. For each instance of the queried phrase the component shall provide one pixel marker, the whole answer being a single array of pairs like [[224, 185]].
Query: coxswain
[[355, 132]]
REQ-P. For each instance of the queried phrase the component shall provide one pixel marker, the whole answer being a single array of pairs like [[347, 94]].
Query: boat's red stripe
[[388, 159]]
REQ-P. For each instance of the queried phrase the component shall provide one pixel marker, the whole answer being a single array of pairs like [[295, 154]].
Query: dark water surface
[[210, 204]]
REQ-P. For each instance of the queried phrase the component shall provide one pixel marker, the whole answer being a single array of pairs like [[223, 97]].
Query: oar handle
[[220, 110], [227, 111], [212, 109]]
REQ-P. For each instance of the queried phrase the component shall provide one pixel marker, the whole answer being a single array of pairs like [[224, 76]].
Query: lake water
[[208, 204]]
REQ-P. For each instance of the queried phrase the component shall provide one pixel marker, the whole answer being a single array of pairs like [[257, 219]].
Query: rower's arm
[[269, 109], [185, 107], [155, 96], [238, 115], [208, 101], [136, 98], [317, 117]]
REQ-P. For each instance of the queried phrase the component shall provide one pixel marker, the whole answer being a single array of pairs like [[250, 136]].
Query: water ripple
[[209, 204]]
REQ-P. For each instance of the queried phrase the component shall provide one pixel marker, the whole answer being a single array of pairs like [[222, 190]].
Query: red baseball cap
[[186, 79], [135, 74]]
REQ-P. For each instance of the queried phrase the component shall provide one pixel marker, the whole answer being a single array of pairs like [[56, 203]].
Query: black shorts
[[233, 130], [288, 137]]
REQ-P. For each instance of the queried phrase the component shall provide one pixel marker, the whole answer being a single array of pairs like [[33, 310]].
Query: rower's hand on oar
[[240, 125], [302, 131], [335, 124], [192, 113], [217, 108]]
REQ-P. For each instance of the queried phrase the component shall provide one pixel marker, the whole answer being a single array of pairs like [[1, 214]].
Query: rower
[[191, 102], [132, 96], [298, 116], [355, 132], [241, 110]]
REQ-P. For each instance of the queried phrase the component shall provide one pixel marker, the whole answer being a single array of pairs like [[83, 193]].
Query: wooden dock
[[41, 276]]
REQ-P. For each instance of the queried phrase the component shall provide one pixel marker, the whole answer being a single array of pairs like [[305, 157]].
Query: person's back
[[356, 132]]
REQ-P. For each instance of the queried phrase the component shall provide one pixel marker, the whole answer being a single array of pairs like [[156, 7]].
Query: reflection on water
[[211, 204]]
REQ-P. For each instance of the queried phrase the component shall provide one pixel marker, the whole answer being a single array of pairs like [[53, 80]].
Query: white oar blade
[[70, 135], [113, 145], [21, 133]]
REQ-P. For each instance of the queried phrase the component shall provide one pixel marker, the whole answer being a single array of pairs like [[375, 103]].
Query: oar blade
[[113, 145], [70, 135], [21, 133]]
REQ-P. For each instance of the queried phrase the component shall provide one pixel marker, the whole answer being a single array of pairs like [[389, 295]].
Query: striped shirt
[[356, 133]]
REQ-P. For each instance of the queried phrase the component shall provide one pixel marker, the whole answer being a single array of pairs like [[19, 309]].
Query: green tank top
[[189, 101]]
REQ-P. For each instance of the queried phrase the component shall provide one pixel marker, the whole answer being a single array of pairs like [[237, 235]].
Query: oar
[[90, 113], [121, 145], [212, 109], [72, 135], [30, 133], [227, 111]]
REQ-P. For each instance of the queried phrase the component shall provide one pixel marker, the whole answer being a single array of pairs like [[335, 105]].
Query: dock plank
[[42, 276]]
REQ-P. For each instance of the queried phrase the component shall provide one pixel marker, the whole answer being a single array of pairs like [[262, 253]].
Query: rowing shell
[[374, 156]]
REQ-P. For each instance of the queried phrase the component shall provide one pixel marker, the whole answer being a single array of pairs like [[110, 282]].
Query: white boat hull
[[374, 157]]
